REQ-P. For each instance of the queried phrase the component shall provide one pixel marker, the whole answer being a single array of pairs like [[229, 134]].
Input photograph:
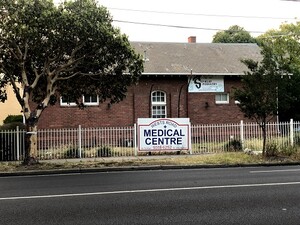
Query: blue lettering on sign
[[154, 133], [158, 137], [164, 141], [161, 133], [148, 141], [147, 133]]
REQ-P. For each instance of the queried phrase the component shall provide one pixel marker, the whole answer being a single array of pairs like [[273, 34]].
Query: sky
[[176, 20]]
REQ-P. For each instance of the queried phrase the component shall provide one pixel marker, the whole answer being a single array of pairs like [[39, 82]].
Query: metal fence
[[121, 141], [12, 144], [243, 136], [86, 142]]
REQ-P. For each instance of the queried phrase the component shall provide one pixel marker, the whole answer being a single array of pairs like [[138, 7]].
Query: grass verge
[[230, 158]]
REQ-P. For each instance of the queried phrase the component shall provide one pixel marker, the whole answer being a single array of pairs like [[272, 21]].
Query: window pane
[[158, 96], [91, 99], [67, 101], [64, 99], [159, 112], [158, 104], [222, 98], [94, 98]]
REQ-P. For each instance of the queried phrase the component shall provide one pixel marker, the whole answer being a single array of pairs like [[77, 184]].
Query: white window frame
[[90, 103], [63, 103], [162, 104], [218, 101]]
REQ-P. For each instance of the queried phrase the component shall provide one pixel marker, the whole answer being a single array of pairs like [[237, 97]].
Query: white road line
[[148, 191], [275, 171]]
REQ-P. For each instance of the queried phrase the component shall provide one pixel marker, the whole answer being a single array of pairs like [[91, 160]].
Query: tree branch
[[72, 62], [70, 65], [19, 54], [36, 80], [13, 53], [54, 57], [26, 51], [68, 77], [76, 49]]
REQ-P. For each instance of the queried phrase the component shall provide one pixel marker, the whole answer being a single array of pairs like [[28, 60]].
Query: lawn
[[216, 159]]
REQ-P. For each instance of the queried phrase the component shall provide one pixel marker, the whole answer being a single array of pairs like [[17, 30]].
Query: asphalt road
[[257, 195]]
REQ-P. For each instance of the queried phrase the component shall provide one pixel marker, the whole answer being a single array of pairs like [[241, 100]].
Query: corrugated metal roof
[[201, 58]]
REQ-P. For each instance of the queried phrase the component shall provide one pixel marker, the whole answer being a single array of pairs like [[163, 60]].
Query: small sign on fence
[[164, 134]]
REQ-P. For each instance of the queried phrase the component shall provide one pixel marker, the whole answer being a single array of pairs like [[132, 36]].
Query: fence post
[[190, 139], [242, 133], [292, 132], [135, 139], [79, 140], [18, 143]]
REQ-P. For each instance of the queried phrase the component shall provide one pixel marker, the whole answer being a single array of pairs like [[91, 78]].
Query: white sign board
[[206, 84], [164, 134]]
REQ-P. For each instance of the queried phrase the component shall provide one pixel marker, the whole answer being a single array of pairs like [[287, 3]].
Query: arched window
[[159, 104]]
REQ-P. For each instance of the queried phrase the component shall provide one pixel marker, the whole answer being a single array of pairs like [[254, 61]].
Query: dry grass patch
[[230, 158]]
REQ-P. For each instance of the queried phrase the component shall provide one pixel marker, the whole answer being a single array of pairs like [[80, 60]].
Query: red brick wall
[[204, 110], [92, 116], [137, 105], [172, 90]]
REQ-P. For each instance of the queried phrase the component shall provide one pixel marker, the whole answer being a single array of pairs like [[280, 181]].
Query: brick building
[[194, 80]]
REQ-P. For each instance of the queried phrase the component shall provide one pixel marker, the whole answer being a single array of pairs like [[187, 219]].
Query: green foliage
[[71, 49], [258, 96], [11, 122], [72, 153], [288, 151], [272, 149], [297, 139], [13, 118], [68, 50], [233, 146], [284, 44], [104, 151], [12, 126], [234, 34]]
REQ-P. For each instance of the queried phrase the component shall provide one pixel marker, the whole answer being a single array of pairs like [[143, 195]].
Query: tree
[[284, 44], [258, 95], [66, 50], [234, 34]]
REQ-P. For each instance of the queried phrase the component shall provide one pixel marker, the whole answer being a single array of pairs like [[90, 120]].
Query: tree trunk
[[31, 145]]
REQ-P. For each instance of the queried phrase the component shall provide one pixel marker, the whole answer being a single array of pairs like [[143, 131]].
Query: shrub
[[12, 126], [297, 139], [104, 151], [233, 146], [272, 149], [13, 119], [288, 151], [72, 153]]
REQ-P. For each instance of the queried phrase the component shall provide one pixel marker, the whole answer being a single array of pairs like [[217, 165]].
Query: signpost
[[200, 84], [165, 134]]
